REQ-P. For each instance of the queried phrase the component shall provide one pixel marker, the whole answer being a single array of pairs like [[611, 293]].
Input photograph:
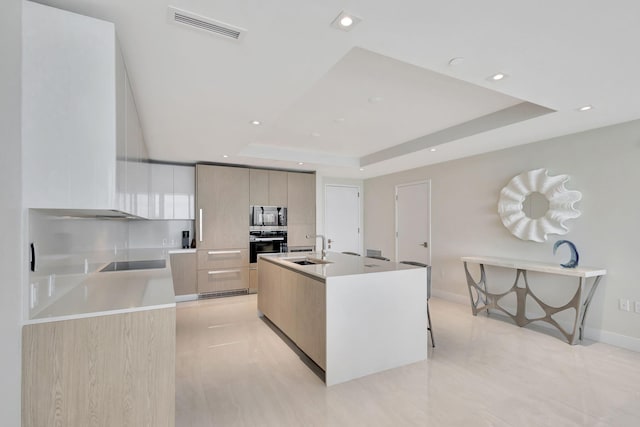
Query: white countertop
[[338, 264], [181, 251], [535, 266], [102, 293]]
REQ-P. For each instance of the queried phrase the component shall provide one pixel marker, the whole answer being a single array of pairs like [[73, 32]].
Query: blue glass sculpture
[[573, 263]]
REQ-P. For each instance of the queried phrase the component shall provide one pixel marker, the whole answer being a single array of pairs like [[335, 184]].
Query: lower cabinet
[[223, 280], [296, 304], [114, 370], [222, 270], [311, 319], [183, 272]]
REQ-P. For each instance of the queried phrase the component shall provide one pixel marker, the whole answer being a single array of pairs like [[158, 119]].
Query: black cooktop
[[135, 265]]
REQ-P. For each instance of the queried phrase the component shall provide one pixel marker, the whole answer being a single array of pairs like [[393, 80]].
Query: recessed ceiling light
[[339, 120], [433, 149], [345, 21], [225, 156], [361, 169], [301, 163], [375, 99], [456, 61], [585, 108], [498, 76], [256, 122]]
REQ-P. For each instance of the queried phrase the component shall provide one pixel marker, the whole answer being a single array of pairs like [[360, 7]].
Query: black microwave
[[268, 216]]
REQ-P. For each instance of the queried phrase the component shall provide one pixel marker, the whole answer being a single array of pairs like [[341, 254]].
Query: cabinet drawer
[[222, 258], [223, 279]]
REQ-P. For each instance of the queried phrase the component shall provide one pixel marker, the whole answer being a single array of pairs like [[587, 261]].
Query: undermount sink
[[309, 261]]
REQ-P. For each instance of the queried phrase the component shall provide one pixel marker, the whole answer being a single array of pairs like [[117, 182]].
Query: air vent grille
[[205, 24], [221, 294]]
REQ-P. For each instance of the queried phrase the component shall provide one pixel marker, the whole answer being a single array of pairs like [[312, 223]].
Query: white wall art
[[561, 201]]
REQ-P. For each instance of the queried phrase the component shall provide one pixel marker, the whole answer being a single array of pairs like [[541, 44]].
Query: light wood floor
[[233, 370]]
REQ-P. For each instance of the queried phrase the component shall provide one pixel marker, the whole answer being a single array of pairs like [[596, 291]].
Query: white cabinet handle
[[200, 217], [237, 251], [211, 273]]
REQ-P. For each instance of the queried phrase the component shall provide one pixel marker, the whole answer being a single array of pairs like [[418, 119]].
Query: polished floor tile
[[233, 369]]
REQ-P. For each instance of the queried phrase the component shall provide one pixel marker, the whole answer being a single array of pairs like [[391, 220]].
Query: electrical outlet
[[624, 304], [637, 306]]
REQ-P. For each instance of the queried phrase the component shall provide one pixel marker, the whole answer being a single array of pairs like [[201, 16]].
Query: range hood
[[89, 213]]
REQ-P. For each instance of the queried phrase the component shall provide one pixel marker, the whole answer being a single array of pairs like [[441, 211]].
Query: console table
[[482, 299]]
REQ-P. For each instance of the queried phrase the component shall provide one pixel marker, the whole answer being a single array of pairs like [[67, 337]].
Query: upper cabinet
[[222, 202], [301, 210], [268, 187], [172, 194], [83, 146]]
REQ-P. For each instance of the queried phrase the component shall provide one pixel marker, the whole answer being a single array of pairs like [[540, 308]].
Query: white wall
[[11, 245], [602, 164]]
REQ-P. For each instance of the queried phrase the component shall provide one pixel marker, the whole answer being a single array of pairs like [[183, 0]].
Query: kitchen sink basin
[[309, 261]]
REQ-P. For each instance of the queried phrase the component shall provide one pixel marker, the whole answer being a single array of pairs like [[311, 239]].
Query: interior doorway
[[342, 218], [413, 222]]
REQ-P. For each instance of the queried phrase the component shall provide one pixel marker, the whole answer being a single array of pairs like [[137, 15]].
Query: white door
[[413, 222], [342, 218]]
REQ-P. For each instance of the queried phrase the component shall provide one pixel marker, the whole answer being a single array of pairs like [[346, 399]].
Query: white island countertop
[[336, 264], [112, 292]]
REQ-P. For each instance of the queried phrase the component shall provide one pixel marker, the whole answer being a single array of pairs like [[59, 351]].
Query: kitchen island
[[353, 316]]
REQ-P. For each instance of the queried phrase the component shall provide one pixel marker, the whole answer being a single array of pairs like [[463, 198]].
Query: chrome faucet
[[324, 243]]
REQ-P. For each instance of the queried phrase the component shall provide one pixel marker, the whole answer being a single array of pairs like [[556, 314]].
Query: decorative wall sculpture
[[560, 205]]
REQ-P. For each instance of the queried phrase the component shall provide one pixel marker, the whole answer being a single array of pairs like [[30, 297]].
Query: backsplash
[[158, 233], [69, 248]]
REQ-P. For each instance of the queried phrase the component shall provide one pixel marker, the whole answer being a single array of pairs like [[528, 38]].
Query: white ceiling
[[389, 78]]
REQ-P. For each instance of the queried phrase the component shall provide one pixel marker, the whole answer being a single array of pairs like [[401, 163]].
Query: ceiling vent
[[202, 23]]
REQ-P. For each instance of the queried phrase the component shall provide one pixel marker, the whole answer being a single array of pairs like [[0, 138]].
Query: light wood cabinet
[[302, 208], [259, 187], [296, 304], [278, 191], [269, 279], [222, 214], [222, 228], [183, 272], [223, 280], [225, 258], [115, 370], [311, 316], [268, 187], [289, 282]]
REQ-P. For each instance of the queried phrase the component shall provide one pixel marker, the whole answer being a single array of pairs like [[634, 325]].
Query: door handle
[[329, 241], [423, 244]]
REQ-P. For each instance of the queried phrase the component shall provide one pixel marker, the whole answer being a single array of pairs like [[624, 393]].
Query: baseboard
[[593, 334], [611, 338], [183, 298]]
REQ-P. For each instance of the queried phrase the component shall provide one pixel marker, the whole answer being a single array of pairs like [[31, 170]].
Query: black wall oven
[[268, 216], [266, 242]]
